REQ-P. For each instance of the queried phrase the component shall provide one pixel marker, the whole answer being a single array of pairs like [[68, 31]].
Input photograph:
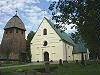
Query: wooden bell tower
[[13, 45]]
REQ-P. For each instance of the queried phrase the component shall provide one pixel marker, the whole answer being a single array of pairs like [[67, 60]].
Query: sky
[[31, 13]]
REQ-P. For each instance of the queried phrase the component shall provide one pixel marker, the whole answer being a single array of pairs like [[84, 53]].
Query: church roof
[[64, 36], [15, 22], [79, 48]]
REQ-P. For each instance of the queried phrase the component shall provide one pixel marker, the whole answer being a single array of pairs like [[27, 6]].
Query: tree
[[86, 15], [28, 42], [75, 37]]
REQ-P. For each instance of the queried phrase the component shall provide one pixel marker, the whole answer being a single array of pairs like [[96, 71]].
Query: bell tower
[[13, 45]]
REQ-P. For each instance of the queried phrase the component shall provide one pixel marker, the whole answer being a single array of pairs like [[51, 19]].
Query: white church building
[[50, 43]]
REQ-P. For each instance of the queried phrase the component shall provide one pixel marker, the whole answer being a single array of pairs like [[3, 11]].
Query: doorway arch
[[46, 56]]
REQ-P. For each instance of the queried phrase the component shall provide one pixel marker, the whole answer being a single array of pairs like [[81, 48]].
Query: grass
[[92, 68], [34, 67]]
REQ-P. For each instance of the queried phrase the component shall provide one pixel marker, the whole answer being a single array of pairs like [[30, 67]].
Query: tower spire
[[16, 13]]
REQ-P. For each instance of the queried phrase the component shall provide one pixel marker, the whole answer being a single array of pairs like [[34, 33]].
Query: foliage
[[30, 36], [76, 37], [28, 42], [86, 15]]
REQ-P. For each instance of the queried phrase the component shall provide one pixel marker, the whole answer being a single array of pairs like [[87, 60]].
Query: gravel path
[[15, 66]]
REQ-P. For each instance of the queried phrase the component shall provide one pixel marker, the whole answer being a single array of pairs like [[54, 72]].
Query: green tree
[[75, 37], [86, 15], [28, 43]]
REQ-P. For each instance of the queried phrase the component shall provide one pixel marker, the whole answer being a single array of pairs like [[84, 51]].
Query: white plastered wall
[[54, 47], [67, 52], [78, 56]]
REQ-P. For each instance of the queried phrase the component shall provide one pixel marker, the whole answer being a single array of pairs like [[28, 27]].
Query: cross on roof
[[16, 13]]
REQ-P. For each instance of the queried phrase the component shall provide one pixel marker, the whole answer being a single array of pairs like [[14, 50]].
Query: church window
[[16, 30], [45, 43], [45, 32]]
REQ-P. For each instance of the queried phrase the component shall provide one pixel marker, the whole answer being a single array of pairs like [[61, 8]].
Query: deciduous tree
[[28, 43], [86, 15]]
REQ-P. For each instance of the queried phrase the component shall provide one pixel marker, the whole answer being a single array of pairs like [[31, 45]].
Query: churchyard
[[57, 37], [91, 68]]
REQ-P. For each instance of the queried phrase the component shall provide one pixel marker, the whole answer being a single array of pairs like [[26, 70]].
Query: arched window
[[45, 32], [45, 43]]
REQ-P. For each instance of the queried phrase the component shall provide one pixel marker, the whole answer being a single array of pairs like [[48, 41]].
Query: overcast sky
[[30, 11]]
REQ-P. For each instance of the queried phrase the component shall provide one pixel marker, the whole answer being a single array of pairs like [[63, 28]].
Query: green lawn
[[93, 68]]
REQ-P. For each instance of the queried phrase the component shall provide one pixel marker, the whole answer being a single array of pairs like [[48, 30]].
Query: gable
[[51, 34], [51, 29], [64, 36]]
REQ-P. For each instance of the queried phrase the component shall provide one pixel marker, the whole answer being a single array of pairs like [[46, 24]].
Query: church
[[51, 44]]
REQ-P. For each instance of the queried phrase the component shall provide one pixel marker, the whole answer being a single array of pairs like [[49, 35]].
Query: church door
[[46, 56]]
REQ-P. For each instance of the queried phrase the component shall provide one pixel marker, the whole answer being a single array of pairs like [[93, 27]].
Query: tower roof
[[15, 22]]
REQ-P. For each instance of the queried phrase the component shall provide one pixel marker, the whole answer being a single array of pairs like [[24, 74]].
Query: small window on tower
[[16, 30], [22, 32], [10, 31], [45, 32]]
